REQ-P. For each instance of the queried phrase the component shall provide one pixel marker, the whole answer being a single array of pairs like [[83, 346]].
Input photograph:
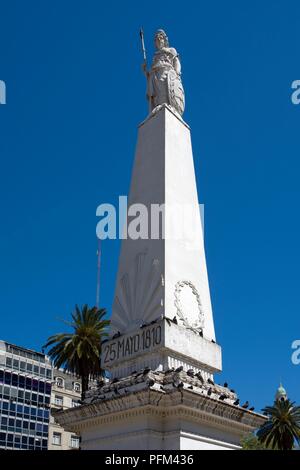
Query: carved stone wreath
[[197, 323]]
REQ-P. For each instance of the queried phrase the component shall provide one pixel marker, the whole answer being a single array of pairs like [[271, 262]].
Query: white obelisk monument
[[162, 352]]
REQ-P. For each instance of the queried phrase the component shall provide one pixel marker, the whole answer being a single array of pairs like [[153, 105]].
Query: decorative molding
[[139, 294], [198, 324], [181, 404]]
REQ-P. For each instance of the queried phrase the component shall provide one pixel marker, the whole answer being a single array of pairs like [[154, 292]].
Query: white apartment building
[[65, 394]]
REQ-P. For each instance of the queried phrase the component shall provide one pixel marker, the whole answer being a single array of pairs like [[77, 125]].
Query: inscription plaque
[[128, 346]]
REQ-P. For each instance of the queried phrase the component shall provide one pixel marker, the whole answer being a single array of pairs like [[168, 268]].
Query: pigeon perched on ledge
[[117, 335], [222, 396], [199, 376]]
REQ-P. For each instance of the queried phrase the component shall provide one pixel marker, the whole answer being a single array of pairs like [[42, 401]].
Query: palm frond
[[79, 351], [282, 429]]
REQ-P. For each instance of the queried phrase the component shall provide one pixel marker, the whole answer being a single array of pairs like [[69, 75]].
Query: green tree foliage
[[79, 351], [282, 429]]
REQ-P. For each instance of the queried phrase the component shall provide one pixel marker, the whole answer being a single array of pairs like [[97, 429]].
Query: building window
[[76, 387], [56, 439], [59, 382], [34, 397], [75, 403], [59, 401], [75, 442], [7, 378], [8, 362]]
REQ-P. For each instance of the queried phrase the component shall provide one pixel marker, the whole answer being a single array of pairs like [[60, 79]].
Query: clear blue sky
[[75, 95]]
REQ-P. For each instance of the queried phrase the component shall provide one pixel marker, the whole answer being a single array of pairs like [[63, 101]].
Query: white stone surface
[[145, 416], [161, 346], [163, 277]]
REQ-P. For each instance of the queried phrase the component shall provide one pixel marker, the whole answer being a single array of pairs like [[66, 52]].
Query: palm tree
[[251, 442], [283, 426], [79, 352]]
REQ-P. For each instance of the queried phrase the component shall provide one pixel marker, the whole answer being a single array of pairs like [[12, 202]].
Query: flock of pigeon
[[165, 381], [212, 390], [222, 396]]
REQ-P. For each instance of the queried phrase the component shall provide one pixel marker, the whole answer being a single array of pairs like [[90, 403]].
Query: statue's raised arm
[[164, 84]]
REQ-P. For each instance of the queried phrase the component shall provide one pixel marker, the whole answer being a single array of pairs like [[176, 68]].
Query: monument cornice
[[178, 404]]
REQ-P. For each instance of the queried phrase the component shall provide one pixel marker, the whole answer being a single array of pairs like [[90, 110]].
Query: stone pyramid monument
[[162, 352]]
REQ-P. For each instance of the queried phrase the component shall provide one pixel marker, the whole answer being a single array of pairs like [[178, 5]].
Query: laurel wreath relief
[[197, 325]]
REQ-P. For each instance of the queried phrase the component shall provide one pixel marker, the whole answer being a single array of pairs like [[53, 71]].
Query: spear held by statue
[[143, 45]]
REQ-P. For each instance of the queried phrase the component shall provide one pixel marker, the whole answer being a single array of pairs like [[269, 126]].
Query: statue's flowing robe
[[164, 83]]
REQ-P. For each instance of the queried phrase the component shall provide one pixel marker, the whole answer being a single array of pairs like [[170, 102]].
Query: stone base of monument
[[161, 345], [160, 410]]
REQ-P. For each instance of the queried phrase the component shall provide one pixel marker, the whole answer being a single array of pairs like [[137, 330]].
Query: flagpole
[[98, 273]]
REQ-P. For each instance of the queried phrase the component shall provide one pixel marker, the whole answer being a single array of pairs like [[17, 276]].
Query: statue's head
[[161, 39]]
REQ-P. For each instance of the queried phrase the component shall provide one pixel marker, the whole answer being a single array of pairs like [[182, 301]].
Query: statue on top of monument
[[164, 85]]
